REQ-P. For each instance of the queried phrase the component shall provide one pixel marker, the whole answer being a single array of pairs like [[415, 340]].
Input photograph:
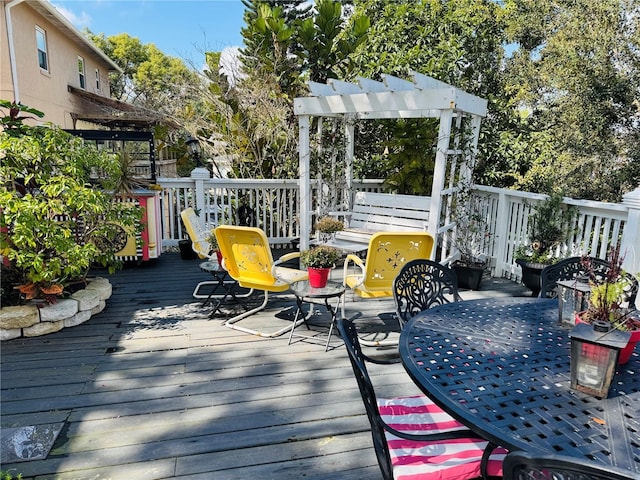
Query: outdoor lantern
[[573, 296], [194, 149], [594, 356]]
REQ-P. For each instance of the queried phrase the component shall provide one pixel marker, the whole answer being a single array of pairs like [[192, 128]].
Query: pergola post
[[439, 173], [348, 157], [305, 187]]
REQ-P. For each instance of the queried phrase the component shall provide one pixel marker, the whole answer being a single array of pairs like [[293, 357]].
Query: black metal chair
[[412, 437], [525, 466], [571, 269], [422, 284]]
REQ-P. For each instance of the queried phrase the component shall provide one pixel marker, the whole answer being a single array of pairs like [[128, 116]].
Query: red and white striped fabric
[[455, 459]]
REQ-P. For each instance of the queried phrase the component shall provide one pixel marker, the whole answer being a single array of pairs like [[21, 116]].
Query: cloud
[[78, 20]]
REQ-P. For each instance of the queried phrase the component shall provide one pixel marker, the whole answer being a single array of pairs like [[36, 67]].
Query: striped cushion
[[455, 459]]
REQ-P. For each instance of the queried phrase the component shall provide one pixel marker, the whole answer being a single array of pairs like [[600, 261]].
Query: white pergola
[[420, 97]]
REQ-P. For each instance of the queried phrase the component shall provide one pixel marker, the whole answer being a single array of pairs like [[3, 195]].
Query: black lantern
[[573, 296], [594, 356], [194, 149]]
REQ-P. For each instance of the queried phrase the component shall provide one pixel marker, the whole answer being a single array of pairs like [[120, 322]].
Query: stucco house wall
[[47, 90]]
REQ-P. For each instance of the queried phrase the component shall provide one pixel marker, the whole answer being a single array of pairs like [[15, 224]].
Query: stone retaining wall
[[33, 320]]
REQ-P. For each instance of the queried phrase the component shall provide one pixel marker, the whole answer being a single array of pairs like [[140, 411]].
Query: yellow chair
[[197, 234], [248, 260], [387, 254]]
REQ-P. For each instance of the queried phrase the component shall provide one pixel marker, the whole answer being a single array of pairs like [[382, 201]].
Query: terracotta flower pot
[[318, 277], [625, 353]]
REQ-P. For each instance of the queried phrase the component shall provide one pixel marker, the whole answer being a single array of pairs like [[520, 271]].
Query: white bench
[[380, 212]]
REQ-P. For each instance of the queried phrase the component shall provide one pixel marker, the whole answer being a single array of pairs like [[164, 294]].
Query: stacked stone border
[[37, 319]]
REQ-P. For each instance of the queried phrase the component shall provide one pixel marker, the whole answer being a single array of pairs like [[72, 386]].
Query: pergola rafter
[[420, 97]]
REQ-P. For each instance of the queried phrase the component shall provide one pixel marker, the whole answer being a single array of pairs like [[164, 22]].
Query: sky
[[179, 28]]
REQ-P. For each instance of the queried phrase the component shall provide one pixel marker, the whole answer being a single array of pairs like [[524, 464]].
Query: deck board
[[153, 388]]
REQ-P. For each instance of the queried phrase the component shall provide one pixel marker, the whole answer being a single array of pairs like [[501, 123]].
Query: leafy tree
[[574, 78], [252, 120], [55, 222], [149, 78], [456, 41]]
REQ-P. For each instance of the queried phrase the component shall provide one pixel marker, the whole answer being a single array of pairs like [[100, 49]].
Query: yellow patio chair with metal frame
[[199, 237], [248, 259], [388, 252], [197, 234]]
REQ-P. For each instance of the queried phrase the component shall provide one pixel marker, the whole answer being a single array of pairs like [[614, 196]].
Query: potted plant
[[551, 225], [214, 246], [609, 299], [327, 227], [319, 261], [471, 233]]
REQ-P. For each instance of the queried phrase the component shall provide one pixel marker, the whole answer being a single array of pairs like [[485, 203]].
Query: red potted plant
[[319, 261], [610, 297]]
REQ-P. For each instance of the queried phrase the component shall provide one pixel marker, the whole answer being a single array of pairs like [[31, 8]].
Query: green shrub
[[55, 220]]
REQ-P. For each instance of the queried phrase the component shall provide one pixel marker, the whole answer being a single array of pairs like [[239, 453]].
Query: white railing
[[598, 227], [274, 206]]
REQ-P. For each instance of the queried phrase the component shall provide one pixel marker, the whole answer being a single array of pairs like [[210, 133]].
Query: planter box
[[468, 277]]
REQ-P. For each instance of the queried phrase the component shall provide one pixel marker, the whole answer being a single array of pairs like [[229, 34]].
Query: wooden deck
[[151, 388]]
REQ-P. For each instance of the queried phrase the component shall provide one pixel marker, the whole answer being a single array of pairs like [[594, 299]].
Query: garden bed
[[39, 318]]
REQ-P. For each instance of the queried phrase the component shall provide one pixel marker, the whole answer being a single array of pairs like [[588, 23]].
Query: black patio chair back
[[571, 269], [349, 335], [422, 284], [481, 451], [525, 466]]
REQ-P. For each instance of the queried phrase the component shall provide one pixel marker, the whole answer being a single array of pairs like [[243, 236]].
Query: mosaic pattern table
[[502, 367]]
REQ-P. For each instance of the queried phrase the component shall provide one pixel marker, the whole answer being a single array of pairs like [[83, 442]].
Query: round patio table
[[501, 366]]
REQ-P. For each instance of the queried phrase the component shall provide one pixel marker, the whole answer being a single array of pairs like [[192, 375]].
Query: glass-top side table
[[305, 293], [222, 283]]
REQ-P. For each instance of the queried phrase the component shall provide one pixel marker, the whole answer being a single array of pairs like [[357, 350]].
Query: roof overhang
[[115, 114], [48, 11]]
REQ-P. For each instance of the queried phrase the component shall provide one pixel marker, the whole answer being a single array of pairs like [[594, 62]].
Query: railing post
[[199, 176], [501, 235], [630, 245]]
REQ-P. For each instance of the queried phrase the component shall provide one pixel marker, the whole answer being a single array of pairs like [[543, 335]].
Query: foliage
[[284, 46], [608, 293], [13, 123], [55, 223], [149, 78], [410, 157], [571, 87], [329, 225], [321, 256], [5, 475], [472, 228], [551, 225], [458, 42], [212, 240]]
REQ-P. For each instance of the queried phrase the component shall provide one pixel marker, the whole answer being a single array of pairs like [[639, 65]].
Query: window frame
[[43, 55], [82, 73], [98, 83]]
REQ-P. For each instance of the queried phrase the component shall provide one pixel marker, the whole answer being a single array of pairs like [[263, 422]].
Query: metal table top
[[502, 367]]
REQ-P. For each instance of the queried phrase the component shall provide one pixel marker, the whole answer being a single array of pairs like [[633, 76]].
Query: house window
[[41, 41], [81, 72], [97, 80]]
